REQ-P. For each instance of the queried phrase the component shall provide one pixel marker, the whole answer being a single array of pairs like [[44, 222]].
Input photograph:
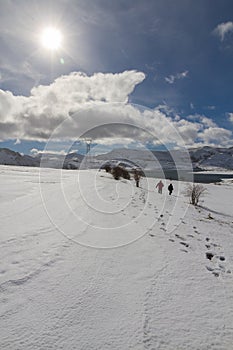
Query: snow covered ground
[[88, 262]]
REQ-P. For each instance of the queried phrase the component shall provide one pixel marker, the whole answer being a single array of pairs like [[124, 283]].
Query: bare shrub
[[194, 192], [125, 174], [118, 172], [107, 168]]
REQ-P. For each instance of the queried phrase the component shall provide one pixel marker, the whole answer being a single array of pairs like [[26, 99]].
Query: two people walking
[[160, 186]]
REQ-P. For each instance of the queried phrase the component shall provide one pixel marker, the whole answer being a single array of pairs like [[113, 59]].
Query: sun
[[51, 38]]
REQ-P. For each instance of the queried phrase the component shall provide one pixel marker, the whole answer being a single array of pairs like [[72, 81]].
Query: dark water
[[183, 175], [209, 178]]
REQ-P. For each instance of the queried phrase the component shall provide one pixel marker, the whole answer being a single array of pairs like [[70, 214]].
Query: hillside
[[88, 262]]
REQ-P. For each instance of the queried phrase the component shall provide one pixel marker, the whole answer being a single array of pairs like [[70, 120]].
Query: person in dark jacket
[[170, 188], [137, 177]]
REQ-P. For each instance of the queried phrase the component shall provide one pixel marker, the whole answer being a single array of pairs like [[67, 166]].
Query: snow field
[[91, 263]]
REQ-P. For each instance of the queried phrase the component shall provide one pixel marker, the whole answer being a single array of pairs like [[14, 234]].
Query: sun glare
[[51, 38]]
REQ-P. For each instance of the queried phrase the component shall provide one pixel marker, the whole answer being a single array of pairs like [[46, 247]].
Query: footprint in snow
[[185, 244], [222, 258], [184, 250], [218, 264], [216, 271], [15, 262], [179, 237], [209, 255]]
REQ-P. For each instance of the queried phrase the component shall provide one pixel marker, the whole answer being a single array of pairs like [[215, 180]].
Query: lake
[[184, 175]]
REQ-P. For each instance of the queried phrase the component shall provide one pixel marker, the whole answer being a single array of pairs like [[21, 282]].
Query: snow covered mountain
[[151, 159], [51, 160], [71, 161], [8, 157], [204, 158], [210, 157]]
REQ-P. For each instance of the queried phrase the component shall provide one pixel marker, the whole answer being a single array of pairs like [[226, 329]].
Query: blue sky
[[182, 48]]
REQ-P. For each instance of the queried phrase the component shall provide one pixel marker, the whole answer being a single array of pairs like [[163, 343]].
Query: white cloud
[[211, 108], [166, 109], [36, 152], [172, 78], [222, 29], [97, 106], [203, 121], [36, 116], [17, 142], [207, 122], [192, 105], [230, 117], [215, 135], [187, 130]]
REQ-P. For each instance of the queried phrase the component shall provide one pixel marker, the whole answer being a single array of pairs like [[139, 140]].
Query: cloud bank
[[97, 106]]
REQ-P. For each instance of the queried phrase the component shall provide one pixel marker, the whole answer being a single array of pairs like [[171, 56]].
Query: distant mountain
[[211, 157], [149, 159], [204, 158], [51, 160], [73, 161], [8, 157]]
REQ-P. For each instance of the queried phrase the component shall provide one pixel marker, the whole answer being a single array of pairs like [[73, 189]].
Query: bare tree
[[194, 192]]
